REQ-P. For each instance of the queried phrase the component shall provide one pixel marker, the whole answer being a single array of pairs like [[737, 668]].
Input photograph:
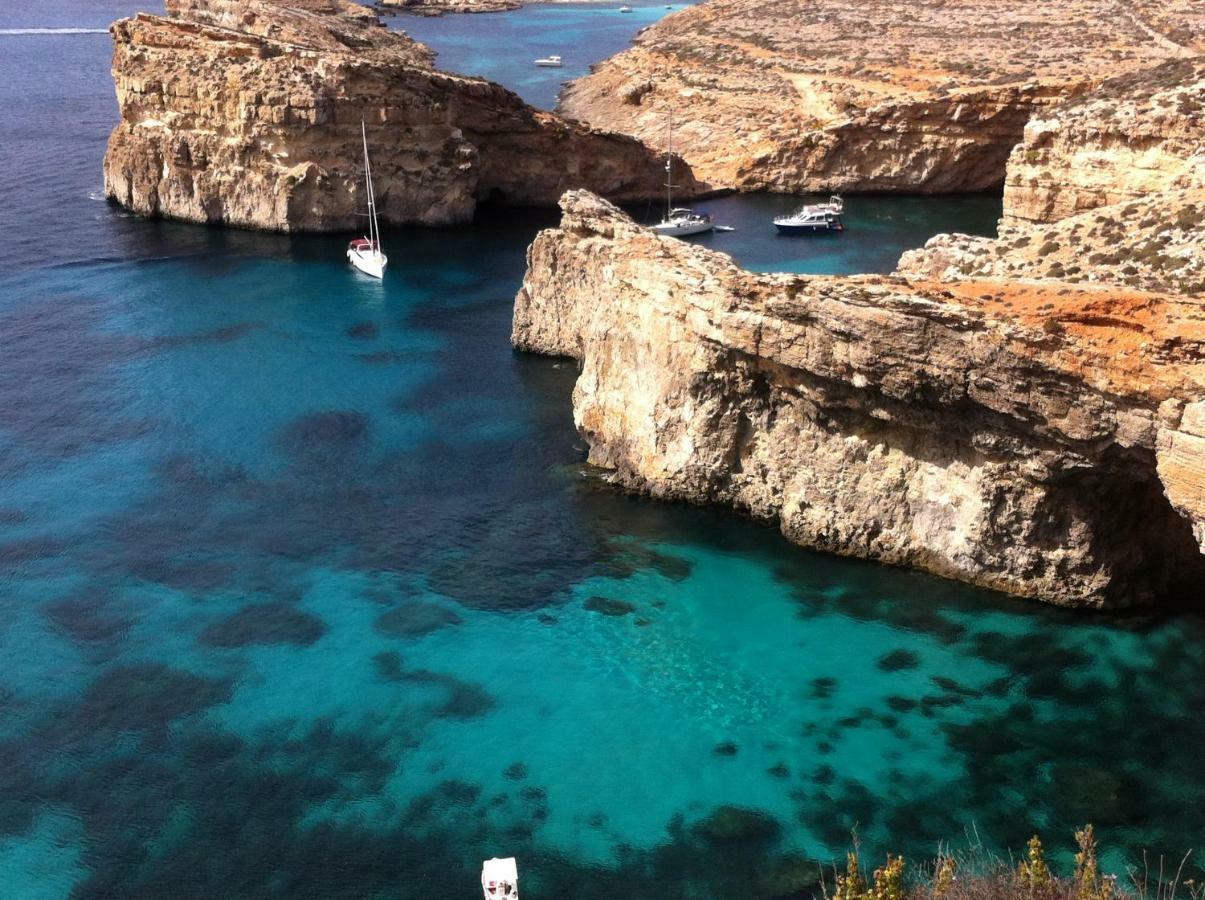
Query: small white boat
[[812, 217], [549, 62], [625, 9], [365, 253], [500, 879], [679, 221]]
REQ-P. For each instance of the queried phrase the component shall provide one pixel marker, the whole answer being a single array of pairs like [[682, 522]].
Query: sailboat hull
[[370, 262], [682, 229]]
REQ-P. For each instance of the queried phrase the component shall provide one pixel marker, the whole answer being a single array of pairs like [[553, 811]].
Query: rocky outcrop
[[248, 112], [439, 7], [1156, 243], [1133, 137], [810, 95], [1180, 443], [1040, 438]]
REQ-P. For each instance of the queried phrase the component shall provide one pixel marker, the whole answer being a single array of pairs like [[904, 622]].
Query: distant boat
[[549, 62], [365, 253], [813, 217], [625, 9], [500, 879], [679, 221]]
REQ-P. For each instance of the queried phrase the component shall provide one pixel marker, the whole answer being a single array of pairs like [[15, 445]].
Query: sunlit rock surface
[[1039, 438], [1135, 136], [855, 96], [248, 114]]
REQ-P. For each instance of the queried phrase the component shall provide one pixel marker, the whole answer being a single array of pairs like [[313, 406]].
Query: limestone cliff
[[858, 95], [1134, 136], [1156, 243], [946, 426], [248, 112]]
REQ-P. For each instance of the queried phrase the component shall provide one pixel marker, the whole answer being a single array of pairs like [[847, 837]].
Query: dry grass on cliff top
[[976, 874]]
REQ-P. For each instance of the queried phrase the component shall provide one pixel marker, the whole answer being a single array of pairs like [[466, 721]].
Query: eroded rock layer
[[945, 426], [787, 95], [1135, 136], [248, 114]]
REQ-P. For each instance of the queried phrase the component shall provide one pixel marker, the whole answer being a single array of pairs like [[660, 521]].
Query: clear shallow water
[[298, 580], [503, 46]]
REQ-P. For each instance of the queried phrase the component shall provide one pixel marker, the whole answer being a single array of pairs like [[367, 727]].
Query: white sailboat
[[365, 253], [679, 221]]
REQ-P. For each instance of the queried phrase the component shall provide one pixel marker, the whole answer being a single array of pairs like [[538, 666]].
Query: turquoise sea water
[[503, 47], [305, 590]]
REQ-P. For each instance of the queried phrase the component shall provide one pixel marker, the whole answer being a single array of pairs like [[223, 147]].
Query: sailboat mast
[[669, 168], [373, 228]]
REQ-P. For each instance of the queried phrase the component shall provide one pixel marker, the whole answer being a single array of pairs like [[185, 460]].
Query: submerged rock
[[736, 824], [416, 618], [264, 623], [609, 606], [898, 660]]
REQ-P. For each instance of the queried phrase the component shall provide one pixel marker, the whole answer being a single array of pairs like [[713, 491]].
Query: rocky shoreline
[[248, 114], [832, 95], [1024, 413], [987, 430]]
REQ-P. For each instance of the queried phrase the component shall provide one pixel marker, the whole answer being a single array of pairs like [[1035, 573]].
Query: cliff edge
[[1042, 439], [248, 112], [1133, 137]]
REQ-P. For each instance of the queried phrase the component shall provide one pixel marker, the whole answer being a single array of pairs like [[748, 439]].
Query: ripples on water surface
[[305, 591]]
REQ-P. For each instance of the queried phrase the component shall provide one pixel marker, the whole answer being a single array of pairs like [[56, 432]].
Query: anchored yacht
[[365, 253], [679, 221], [813, 217]]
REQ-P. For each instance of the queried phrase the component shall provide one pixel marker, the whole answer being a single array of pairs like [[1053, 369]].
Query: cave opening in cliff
[[1135, 535]]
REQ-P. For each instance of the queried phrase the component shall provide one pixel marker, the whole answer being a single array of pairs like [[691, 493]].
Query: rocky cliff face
[[248, 114], [1133, 137], [787, 95], [1040, 438]]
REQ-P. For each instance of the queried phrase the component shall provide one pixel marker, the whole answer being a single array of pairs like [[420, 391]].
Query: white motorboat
[[365, 253], [813, 217], [679, 221], [625, 9], [549, 62], [500, 879]]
